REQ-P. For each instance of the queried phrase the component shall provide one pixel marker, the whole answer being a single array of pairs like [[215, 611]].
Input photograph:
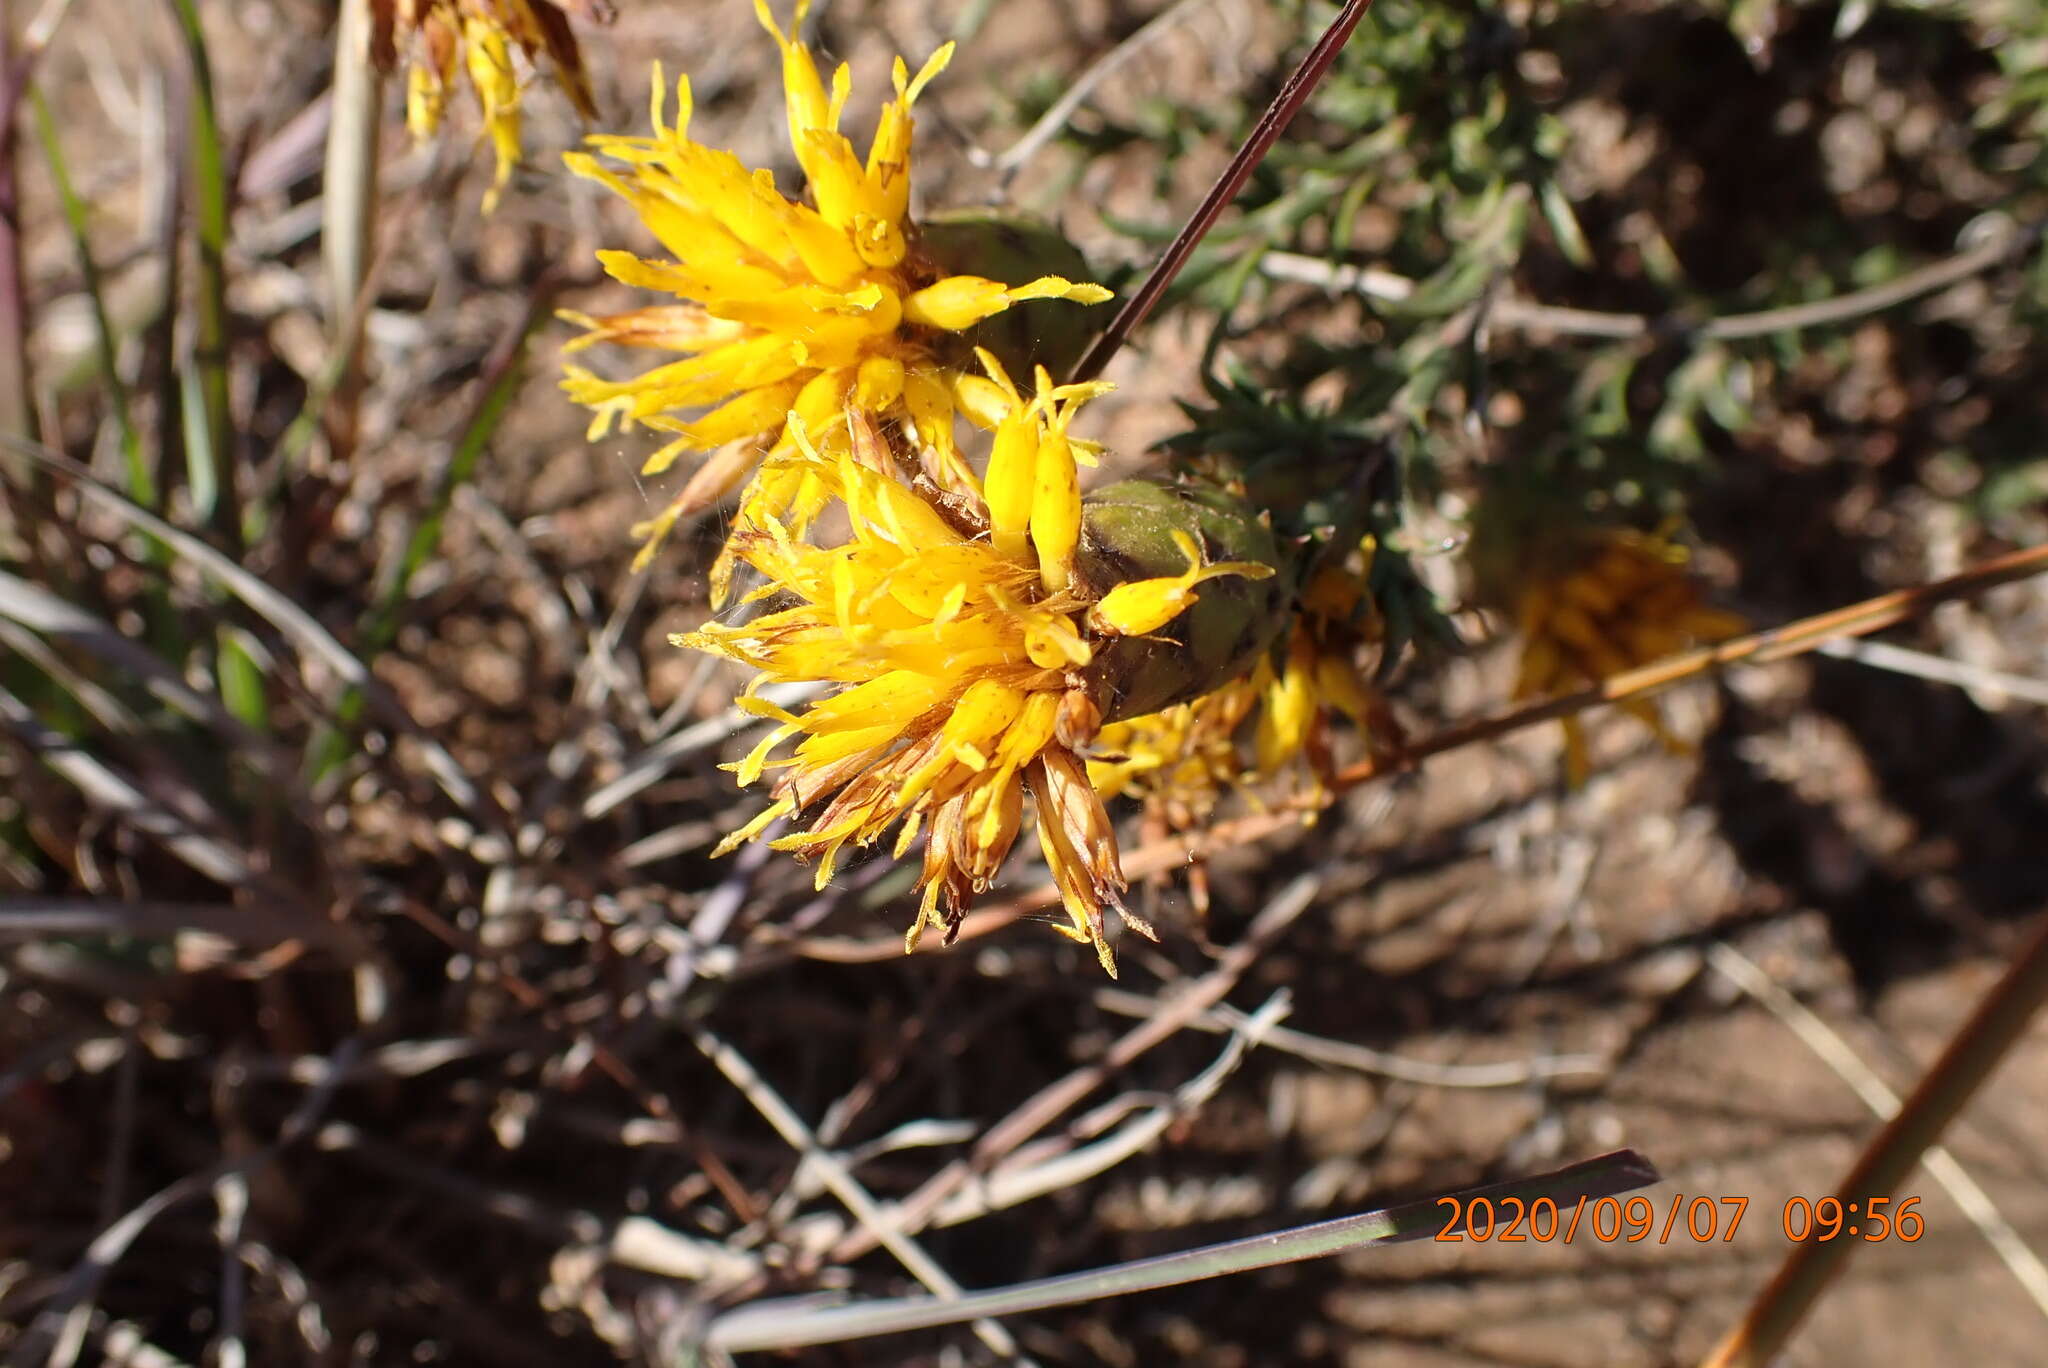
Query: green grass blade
[[380, 625], [17, 410], [202, 475], [210, 343], [242, 684], [142, 483], [308, 637]]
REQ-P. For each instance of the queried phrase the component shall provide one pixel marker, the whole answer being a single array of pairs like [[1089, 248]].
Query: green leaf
[[242, 678], [1564, 226]]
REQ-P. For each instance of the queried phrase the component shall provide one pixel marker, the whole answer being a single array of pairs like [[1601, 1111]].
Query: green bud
[[1127, 534]]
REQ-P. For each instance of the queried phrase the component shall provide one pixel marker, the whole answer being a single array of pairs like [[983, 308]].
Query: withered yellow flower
[[1619, 599], [791, 311], [477, 38], [1180, 760], [964, 680]]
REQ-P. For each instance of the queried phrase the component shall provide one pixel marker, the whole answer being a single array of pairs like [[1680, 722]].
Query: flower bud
[[1128, 535]]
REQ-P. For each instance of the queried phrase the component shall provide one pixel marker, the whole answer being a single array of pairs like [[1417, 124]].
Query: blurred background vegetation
[[362, 966]]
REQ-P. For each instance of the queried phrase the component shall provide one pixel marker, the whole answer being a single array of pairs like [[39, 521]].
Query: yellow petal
[[879, 383], [1056, 512], [959, 302], [1011, 484]]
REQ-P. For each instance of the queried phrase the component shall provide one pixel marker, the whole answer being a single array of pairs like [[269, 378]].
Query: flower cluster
[[786, 313], [998, 651], [1618, 599], [973, 660], [478, 38]]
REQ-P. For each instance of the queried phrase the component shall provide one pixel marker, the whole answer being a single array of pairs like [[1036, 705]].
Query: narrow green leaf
[[380, 624], [209, 390], [1564, 226], [142, 484], [202, 475], [242, 679]]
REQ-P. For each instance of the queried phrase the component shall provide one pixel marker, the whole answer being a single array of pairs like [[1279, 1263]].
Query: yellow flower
[[478, 37], [791, 311], [957, 695], [1144, 606], [965, 678], [1179, 761], [1621, 600]]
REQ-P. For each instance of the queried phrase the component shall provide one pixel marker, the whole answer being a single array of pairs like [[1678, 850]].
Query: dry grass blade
[[1038, 1111], [1837, 1054], [1882, 655], [118, 796], [2004, 242], [1979, 1047], [1343, 1054], [1009, 1186], [59, 1331], [843, 1185], [149, 919], [42, 611], [1013, 158], [648, 767], [784, 1325], [348, 194]]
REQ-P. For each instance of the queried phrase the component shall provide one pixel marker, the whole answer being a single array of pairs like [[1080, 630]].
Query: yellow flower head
[[954, 669], [477, 38], [791, 310], [1179, 761], [962, 663], [1622, 599]]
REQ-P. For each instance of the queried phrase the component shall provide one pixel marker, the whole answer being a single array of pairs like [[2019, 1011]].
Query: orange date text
[[1698, 1219]]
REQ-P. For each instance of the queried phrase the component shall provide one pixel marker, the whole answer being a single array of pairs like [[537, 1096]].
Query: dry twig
[[1979, 1047], [1838, 1055], [2001, 242]]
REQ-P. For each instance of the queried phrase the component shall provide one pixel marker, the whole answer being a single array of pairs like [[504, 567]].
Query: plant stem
[[142, 484], [17, 415], [1271, 124]]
